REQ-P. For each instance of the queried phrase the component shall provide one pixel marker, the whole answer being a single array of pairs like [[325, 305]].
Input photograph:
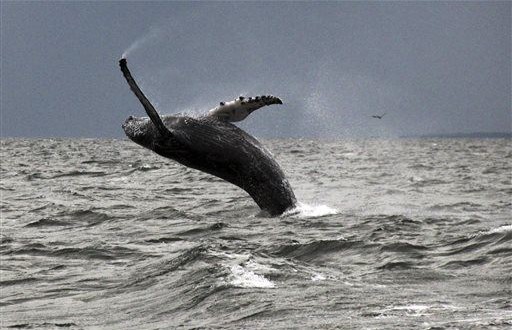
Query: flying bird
[[378, 117]]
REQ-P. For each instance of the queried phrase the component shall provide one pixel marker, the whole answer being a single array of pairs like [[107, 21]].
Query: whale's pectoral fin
[[150, 110], [242, 107]]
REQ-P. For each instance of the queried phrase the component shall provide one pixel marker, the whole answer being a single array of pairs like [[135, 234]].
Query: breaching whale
[[212, 144]]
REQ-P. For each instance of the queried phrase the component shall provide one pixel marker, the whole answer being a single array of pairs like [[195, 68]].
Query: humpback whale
[[212, 144]]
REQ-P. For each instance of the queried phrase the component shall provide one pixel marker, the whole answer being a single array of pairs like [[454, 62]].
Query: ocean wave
[[149, 272], [382, 227], [169, 247], [4, 240], [243, 269], [163, 240], [498, 230], [420, 182], [79, 173], [476, 249], [394, 265], [245, 278], [17, 281], [203, 230], [457, 264], [167, 212], [84, 216], [146, 168], [62, 216], [44, 325], [100, 161], [316, 249], [318, 277], [47, 222], [464, 206], [403, 247], [74, 173], [86, 252]]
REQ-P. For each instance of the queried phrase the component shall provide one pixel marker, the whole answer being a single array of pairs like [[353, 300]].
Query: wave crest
[[245, 278]]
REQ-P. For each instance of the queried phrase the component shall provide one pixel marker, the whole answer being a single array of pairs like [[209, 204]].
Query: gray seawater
[[405, 233]]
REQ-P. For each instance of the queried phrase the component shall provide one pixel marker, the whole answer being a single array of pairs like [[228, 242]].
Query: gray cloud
[[433, 67]]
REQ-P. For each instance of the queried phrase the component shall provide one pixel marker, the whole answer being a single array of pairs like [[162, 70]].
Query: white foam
[[501, 229], [257, 267], [310, 211], [418, 309], [416, 179], [498, 230], [244, 270], [414, 308], [317, 277], [244, 278], [236, 257]]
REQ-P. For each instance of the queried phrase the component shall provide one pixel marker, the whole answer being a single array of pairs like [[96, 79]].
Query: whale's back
[[226, 151]]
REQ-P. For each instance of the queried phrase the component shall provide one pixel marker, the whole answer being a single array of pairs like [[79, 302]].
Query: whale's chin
[[140, 130]]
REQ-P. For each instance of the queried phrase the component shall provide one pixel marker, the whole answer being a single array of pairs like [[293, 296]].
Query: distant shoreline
[[474, 135]]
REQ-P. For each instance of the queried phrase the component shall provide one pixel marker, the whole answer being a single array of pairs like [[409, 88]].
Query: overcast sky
[[432, 67]]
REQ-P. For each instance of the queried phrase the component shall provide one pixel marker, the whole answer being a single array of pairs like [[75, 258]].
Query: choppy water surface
[[390, 234]]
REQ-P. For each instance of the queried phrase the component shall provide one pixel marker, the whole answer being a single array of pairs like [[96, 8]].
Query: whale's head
[[141, 131]]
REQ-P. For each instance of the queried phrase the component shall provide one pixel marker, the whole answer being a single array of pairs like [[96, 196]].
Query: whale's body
[[213, 146]]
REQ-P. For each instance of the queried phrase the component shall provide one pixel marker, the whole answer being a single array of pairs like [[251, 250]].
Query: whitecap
[[317, 277], [498, 230], [244, 278], [413, 307], [501, 229]]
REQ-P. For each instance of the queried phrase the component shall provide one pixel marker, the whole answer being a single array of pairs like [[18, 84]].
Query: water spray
[[153, 34]]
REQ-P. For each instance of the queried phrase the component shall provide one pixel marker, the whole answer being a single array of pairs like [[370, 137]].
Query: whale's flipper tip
[[242, 107]]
